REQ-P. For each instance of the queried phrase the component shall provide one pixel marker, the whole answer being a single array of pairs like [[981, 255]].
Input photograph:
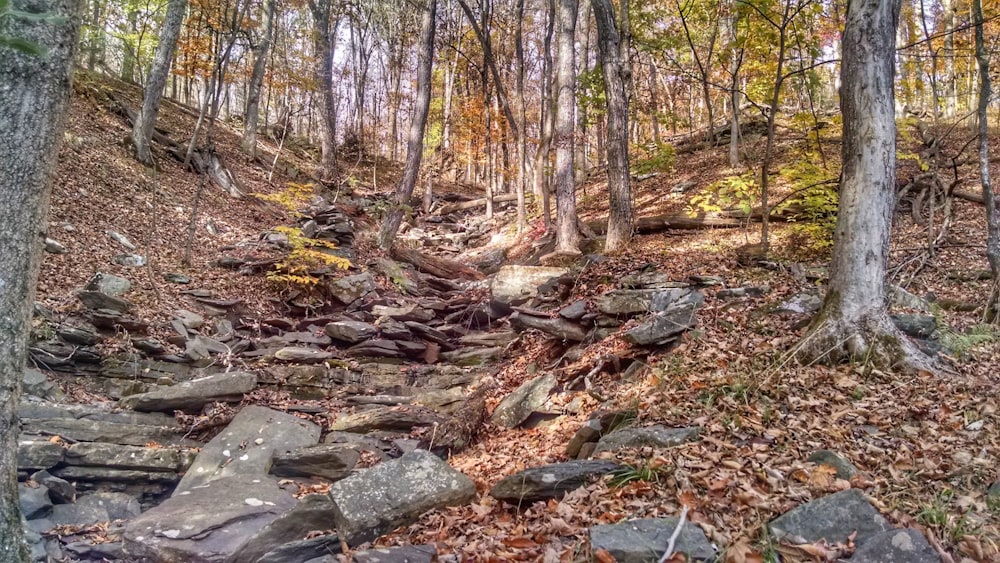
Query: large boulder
[[207, 524], [646, 540], [833, 518], [549, 481], [194, 394], [526, 399], [395, 493], [247, 446], [516, 285], [312, 513]]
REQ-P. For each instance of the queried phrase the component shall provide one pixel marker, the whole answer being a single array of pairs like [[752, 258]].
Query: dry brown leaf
[[602, 556]]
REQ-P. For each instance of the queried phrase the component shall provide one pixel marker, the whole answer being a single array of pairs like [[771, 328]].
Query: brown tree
[[260, 53], [567, 233], [142, 130]]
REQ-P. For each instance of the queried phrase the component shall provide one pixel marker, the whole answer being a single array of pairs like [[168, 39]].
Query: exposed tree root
[[872, 340]]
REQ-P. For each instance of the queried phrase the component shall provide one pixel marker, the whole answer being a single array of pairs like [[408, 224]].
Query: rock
[[399, 554], [37, 384], [376, 349], [395, 493], [845, 469], [150, 346], [526, 399], [79, 335], [351, 331], [52, 246], [60, 490], [574, 312], [549, 481], [85, 550], [801, 304], [401, 418], [489, 339], [409, 312], [90, 430], [626, 302], [557, 327], [116, 456], [302, 355], [516, 285], [650, 280], [897, 546], [177, 278], [130, 260], [35, 502], [120, 239], [833, 518], [398, 275], [661, 328], [194, 394], [311, 550], [96, 300], [329, 461], [646, 540], [35, 455], [657, 436], [472, 356], [312, 513], [593, 429], [248, 444], [190, 320], [210, 524], [349, 289], [108, 284], [119, 506], [82, 514], [906, 300], [917, 326], [393, 329], [430, 333]]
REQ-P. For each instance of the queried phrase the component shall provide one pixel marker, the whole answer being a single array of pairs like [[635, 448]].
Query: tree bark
[[260, 54], [547, 124], [34, 100], [142, 132], [853, 323], [324, 43], [522, 147], [989, 197], [415, 141], [616, 73], [567, 234]]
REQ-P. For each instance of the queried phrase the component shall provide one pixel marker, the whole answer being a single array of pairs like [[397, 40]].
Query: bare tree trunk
[[615, 78], [547, 124], [260, 55], [522, 148], [950, 79], [415, 141], [142, 131], [324, 44], [34, 100], [989, 198], [854, 321], [567, 234], [734, 91]]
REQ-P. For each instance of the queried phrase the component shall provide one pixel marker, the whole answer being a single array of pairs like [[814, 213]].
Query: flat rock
[[96, 454], [833, 518], [37, 384], [130, 260], [303, 355], [329, 461], [801, 304], [557, 327], [526, 399], [312, 549], [38, 454], [207, 524], [96, 300], [61, 491], [626, 302], [314, 512], [247, 445], [472, 356], [409, 312], [897, 546], [35, 501], [549, 481], [574, 311], [108, 284], [349, 289], [402, 418], [399, 554], [657, 436], [189, 319], [194, 394], [516, 285], [917, 326], [845, 469], [395, 493], [646, 540], [663, 327], [351, 331]]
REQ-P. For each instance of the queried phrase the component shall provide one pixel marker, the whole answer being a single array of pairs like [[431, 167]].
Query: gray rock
[[248, 444], [400, 554], [626, 302], [177, 278], [189, 319], [61, 491], [393, 329], [845, 469], [833, 518], [96, 454], [663, 327], [557, 327], [395, 493], [81, 514], [312, 513], [35, 455], [202, 348], [657, 436], [472, 356], [351, 331], [574, 312], [120, 239], [52, 246], [549, 481], [526, 399], [402, 418], [398, 275], [35, 501], [208, 524], [97, 300], [801, 304], [304, 550], [149, 346], [651, 280], [119, 506], [302, 355], [37, 384], [108, 284], [194, 394], [646, 540], [907, 300], [917, 326], [516, 285], [349, 289], [130, 260], [409, 312], [897, 546], [88, 430], [88, 551], [329, 461], [598, 425], [79, 335]]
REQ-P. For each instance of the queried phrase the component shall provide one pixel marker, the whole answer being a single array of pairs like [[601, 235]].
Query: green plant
[[306, 255], [732, 191], [935, 513], [650, 471], [292, 198], [961, 342], [659, 157]]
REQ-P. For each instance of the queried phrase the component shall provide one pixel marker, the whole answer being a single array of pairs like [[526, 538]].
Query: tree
[[989, 198], [34, 99], [260, 53], [616, 76], [142, 131], [324, 42], [415, 141], [854, 322], [567, 234]]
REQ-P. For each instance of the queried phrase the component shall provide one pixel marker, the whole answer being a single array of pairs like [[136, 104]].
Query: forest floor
[[927, 446]]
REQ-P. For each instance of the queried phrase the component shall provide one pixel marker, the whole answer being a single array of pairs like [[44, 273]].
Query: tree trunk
[[34, 99], [522, 147], [260, 54], [615, 78], [567, 234], [547, 113], [854, 323], [324, 43], [989, 198], [415, 141], [142, 132]]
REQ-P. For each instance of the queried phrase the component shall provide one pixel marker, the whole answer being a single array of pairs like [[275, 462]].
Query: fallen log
[[434, 265], [474, 203], [969, 195], [681, 221]]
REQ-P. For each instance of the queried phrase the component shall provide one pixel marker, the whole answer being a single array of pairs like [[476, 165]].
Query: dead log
[[472, 204], [434, 265], [681, 221], [969, 195]]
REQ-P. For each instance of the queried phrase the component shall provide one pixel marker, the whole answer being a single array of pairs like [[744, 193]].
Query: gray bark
[[415, 140], [854, 321], [567, 234], [616, 74], [989, 197], [260, 54], [547, 124], [142, 131], [324, 43], [34, 100], [522, 148]]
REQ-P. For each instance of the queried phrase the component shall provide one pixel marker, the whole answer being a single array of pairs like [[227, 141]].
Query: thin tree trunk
[[34, 100], [522, 148], [567, 234], [615, 78], [989, 198], [260, 55], [547, 113], [142, 131], [324, 43], [415, 141]]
